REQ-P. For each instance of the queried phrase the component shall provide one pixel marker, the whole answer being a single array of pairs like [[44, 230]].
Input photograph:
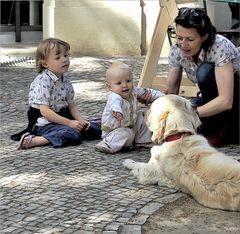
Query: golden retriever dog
[[184, 160]]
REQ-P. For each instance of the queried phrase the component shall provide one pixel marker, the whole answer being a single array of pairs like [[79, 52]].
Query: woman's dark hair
[[198, 19]]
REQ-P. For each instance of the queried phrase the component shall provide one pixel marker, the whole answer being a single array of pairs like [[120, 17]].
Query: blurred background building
[[100, 27]]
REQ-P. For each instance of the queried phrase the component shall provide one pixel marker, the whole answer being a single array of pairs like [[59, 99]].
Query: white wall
[[95, 27], [113, 27], [220, 14]]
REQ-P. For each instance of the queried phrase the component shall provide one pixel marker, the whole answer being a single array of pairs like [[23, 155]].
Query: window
[[30, 13]]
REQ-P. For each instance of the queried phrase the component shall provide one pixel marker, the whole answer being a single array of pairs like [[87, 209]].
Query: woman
[[212, 62]]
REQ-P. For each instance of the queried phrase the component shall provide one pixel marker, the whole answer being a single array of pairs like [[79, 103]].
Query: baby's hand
[[146, 98], [117, 115]]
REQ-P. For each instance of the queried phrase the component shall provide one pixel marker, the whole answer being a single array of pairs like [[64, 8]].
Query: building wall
[[109, 27], [112, 27], [96, 27], [220, 14]]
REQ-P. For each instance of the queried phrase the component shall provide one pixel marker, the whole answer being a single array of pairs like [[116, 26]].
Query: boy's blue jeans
[[61, 135]]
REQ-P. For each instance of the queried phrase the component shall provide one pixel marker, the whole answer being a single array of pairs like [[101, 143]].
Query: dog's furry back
[[211, 177]]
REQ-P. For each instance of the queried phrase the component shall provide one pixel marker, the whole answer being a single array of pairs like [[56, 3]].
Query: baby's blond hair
[[116, 69]]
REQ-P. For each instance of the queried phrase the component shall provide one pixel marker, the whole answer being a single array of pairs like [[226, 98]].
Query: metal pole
[[17, 22]]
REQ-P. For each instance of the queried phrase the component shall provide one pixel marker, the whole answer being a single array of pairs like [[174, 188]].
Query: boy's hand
[[86, 125], [117, 115], [146, 98], [80, 125]]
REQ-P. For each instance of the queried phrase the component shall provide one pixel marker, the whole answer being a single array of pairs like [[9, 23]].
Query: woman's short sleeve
[[223, 51], [174, 57]]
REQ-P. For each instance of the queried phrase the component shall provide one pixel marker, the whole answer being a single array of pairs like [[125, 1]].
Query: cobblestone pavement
[[72, 189]]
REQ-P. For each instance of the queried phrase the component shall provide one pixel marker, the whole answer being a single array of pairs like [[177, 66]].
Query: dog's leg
[[129, 163], [148, 174], [157, 158], [164, 181], [145, 172], [151, 172]]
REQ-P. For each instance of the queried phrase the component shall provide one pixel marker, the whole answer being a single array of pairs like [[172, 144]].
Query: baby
[[123, 125]]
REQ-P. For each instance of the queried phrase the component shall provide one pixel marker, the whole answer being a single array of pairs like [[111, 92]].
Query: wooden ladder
[[168, 11]]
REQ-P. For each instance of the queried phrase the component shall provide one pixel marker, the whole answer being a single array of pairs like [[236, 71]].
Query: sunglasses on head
[[191, 12]]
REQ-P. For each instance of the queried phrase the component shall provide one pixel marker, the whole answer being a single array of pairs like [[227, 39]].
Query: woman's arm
[[173, 81], [224, 100]]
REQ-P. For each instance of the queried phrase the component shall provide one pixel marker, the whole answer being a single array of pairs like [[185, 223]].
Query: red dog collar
[[176, 136]]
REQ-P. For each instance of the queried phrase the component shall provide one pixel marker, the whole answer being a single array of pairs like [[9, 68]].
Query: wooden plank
[[187, 87], [168, 11], [151, 61], [184, 1]]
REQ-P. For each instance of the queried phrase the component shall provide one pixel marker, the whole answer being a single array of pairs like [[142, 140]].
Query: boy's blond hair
[[44, 48]]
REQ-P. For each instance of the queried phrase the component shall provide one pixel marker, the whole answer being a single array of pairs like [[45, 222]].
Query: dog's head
[[169, 115]]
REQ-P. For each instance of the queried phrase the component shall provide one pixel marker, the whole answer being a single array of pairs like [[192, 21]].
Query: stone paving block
[[113, 226], [131, 229], [150, 208], [82, 232], [127, 215], [109, 232], [8, 230], [170, 198], [139, 219]]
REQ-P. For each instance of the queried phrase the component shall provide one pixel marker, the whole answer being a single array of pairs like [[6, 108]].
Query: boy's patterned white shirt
[[48, 90]]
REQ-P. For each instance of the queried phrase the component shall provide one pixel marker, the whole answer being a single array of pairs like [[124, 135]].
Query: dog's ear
[[158, 126], [147, 117], [163, 116], [193, 116]]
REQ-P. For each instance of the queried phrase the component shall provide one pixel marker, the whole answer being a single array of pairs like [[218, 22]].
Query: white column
[[49, 18], [33, 12]]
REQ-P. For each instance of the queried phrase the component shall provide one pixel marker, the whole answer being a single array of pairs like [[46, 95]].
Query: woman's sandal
[[27, 138]]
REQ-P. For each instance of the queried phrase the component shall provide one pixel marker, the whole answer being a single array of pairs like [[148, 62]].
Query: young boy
[[122, 124], [58, 121]]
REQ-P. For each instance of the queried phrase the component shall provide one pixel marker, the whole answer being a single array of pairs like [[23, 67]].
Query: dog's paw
[[129, 163]]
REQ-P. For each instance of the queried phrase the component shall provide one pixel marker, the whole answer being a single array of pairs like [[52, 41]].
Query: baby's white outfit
[[132, 129]]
